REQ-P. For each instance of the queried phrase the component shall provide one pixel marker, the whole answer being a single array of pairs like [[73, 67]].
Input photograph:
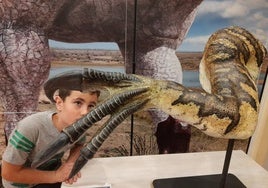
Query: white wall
[[258, 148]]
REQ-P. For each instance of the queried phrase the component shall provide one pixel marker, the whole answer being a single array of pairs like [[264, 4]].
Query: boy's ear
[[58, 102]]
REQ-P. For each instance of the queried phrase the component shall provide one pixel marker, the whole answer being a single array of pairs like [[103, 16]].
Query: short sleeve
[[20, 145], [18, 149]]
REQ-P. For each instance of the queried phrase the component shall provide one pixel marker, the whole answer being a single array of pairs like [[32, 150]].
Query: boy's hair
[[63, 93]]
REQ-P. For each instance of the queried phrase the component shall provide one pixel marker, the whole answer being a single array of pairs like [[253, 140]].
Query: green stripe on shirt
[[20, 185], [20, 142]]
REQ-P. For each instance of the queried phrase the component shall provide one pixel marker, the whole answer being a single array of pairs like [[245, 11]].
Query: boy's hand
[[62, 174], [73, 179]]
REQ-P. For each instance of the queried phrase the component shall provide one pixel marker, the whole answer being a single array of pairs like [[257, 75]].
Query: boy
[[35, 132]]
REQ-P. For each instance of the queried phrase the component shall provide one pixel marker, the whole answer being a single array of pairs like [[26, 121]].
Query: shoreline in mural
[[85, 57], [118, 142]]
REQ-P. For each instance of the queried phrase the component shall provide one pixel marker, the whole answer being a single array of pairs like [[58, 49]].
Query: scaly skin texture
[[26, 26]]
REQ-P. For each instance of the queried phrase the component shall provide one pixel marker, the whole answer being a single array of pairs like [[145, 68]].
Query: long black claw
[[72, 133], [114, 77], [79, 163], [77, 80], [54, 148]]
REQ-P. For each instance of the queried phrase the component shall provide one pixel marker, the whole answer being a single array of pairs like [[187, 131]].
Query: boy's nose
[[84, 111]]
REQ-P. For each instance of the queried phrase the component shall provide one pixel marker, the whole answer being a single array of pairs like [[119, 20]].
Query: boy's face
[[75, 106]]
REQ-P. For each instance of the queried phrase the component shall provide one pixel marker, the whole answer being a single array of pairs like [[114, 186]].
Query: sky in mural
[[211, 16]]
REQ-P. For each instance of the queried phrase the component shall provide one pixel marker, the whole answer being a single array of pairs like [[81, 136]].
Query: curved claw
[[80, 162], [72, 133], [114, 77], [58, 146], [89, 151], [80, 80]]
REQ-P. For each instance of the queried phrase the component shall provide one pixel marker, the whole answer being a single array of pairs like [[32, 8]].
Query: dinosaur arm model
[[227, 109]]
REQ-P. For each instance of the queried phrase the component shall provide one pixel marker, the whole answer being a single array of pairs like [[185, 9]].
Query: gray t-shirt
[[32, 135]]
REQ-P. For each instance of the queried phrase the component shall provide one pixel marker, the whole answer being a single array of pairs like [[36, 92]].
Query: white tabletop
[[140, 171]]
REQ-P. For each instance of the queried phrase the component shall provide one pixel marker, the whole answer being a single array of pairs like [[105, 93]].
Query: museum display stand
[[223, 180]]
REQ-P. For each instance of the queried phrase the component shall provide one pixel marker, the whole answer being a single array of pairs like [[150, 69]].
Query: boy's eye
[[78, 102], [91, 106]]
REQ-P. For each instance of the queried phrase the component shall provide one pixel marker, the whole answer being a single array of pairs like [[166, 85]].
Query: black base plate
[[206, 181]]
